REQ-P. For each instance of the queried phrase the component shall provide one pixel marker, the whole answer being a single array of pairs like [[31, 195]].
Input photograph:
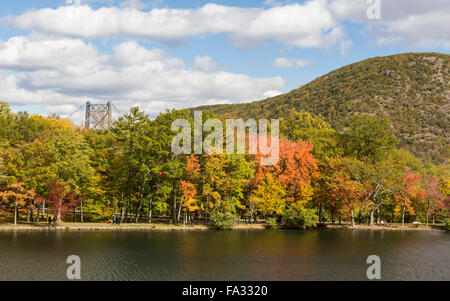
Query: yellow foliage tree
[[269, 196]]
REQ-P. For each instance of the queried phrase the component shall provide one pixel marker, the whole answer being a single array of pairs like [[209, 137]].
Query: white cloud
[[12, 92], [310, 24], [63, 110], [283, 62], [132, 75], [272, 93], [205, 63], [414, 23], [24, 53]]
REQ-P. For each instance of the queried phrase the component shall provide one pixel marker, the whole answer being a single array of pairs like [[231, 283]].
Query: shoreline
[[168, 227]]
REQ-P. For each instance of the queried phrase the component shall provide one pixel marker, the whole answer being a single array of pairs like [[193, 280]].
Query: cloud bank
[[304, 25], [62, 72]]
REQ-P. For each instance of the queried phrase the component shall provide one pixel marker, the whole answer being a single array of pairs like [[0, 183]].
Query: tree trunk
[[403, 215], [138, 210], [150, 211], [179, 214], [38, 213], [371, 217], [15, 213], [43, 212], [58, 218], [353, 218], [428, 212], [28, 214], [122, 214], [126, 211], [81, 210], [320, 213], [174, 205]]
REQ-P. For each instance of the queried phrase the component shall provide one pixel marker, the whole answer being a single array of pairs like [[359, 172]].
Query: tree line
[[50, 167]]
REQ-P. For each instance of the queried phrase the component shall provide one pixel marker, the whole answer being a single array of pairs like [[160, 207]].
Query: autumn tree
[[343, 192], [61, 198], [190, 197], [295, 169], [409, 190], [269, 196], [433, 196], [17, 195]]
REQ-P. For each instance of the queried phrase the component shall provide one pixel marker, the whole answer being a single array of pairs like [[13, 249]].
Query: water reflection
[[238, 255]]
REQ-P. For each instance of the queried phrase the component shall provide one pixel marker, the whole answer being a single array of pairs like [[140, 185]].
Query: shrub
[[301, 219], [309, 218], [290, 219], [447, 224], [222, 220], [271, 223]]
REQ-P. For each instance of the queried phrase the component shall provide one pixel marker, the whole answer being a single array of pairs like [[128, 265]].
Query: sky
[[161, 54]]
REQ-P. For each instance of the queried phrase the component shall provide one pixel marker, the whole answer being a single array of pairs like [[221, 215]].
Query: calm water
[[238, 255]]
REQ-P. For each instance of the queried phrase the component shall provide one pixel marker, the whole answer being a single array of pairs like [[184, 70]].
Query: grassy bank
[[392, 227], [171, 227], [99, 227]]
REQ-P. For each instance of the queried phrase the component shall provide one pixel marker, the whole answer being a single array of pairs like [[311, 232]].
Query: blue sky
[[55, 55]]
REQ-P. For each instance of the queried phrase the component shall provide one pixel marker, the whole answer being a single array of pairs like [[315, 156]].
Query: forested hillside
[[50, 168], [411, 90]]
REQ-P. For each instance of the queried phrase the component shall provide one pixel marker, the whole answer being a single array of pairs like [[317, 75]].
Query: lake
[[226, 255]]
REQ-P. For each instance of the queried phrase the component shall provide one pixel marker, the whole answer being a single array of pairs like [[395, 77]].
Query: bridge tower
[[98, 116]]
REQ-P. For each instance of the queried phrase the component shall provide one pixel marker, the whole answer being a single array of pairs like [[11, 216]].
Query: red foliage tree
[[62, 200]]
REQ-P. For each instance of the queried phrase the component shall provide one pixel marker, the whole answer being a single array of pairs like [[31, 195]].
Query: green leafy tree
[[368, 138], [304, 126]]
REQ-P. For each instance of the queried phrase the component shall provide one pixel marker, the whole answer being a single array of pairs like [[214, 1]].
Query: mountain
[[412, 90]]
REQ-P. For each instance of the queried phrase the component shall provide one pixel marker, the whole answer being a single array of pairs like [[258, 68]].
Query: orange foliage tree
[[189, 197], [409, 191], [17, 195], [343, 193], [295, 170]]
